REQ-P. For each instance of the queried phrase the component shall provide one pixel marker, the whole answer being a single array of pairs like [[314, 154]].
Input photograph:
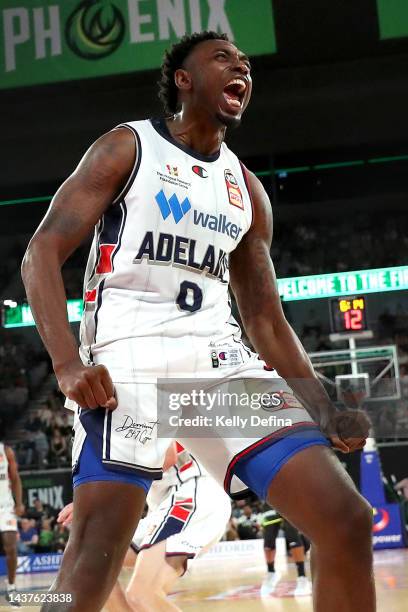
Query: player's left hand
[[349, 430], [66, 514], [19, 509]]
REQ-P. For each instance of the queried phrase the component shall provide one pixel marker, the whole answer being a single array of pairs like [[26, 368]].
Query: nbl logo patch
[[234, 192]]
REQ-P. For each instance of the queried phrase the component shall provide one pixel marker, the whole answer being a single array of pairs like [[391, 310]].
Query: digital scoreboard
[[348, 315]]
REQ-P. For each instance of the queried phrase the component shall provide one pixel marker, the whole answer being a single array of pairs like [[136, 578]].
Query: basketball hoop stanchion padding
[[388, 524]]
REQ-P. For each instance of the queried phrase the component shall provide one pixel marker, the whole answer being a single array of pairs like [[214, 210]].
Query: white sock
[[10, 587]]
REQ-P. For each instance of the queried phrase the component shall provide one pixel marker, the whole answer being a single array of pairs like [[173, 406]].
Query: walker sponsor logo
[[218, 224], [172, 206], [45, 41]]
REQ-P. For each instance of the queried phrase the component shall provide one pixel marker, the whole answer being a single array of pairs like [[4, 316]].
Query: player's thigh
[[314, 492], [155, 571]]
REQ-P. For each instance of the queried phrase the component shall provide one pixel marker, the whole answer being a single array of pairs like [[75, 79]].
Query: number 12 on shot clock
[[348, 314]]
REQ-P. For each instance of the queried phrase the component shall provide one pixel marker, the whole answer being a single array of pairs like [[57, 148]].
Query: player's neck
[[199, 133]]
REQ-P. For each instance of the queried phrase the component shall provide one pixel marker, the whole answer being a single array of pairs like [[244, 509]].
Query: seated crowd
[[39, 532], [46, 437]]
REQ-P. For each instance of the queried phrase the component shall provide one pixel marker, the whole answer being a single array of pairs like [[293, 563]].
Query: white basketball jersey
[[6, 497], [156, 285]]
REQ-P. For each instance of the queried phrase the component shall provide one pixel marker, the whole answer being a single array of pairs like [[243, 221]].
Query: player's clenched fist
[[349, 430], [87, 386]]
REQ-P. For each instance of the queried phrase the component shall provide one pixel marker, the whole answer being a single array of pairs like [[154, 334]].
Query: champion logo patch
[[200, 171], [234, 192]]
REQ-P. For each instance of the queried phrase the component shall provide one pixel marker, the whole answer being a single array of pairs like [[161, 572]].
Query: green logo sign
[[393, 18], [46, 41], [95, 29]]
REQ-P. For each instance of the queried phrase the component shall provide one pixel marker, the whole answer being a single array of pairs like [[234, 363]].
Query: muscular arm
[[254, 284], [74, 211], [15, 479]]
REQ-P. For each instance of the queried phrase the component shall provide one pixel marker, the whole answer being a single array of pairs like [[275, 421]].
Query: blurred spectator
[[46, 537], [404, 380], [40, 511], [61, 535], [28, 536], [231, 532], [238, 507], [248, 525], [41, 448], [58, 448], [402, 486], [386, 423], [34, 422], [66, 426], [45, 414]]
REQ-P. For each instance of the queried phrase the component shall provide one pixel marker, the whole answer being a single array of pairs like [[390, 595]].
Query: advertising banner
[[46, 41], [34, 564], [52, 487]]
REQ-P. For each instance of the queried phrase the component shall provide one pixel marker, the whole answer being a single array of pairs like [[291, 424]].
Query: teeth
[[239, 82]]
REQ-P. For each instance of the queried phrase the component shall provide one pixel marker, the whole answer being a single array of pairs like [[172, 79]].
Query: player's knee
[[92, 564], [10, 550], [356, 525], [362, 519], [141, 598]]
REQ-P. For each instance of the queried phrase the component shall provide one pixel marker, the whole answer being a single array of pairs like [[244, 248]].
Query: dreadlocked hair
[[173, 60]]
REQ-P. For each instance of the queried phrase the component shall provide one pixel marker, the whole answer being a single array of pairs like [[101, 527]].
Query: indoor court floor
[[232, 583]]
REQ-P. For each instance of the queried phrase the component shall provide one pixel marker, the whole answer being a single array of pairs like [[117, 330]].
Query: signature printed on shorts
[[142, 432]]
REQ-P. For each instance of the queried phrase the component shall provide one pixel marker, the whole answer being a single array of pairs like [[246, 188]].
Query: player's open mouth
[[234, 93]]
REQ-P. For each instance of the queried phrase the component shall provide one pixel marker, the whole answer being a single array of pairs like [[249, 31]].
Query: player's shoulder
[[136, 126]]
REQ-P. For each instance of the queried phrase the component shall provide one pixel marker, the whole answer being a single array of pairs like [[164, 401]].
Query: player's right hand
[[87, 386]]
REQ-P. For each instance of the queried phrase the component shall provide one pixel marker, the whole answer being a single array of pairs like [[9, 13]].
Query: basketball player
[[177, 218], [188, 513], [11, 506], [271, 523]]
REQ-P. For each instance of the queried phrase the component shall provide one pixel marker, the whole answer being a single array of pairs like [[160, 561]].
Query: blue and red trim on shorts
[[257, 465]]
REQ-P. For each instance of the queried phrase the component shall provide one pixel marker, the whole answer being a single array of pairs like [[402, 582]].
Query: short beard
[[229, 121]]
